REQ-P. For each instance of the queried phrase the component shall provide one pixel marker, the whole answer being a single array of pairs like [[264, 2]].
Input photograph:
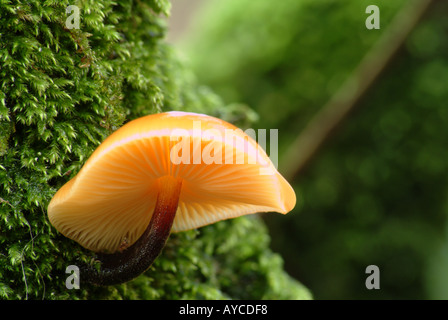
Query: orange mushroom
[[166, 172]]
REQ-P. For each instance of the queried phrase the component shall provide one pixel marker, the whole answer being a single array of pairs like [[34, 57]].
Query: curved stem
[[124, 266]]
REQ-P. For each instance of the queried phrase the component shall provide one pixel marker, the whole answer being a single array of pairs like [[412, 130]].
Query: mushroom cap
[[111, 199]]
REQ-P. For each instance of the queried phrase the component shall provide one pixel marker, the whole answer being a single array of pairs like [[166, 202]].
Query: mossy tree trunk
[[62, 91]]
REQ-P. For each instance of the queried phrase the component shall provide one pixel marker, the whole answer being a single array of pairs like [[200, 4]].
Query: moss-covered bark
[[62, 91]]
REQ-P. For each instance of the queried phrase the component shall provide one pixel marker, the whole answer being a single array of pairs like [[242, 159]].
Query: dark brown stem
[[124, 266]]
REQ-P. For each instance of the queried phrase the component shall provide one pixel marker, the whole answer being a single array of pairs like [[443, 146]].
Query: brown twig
[[344, 100]]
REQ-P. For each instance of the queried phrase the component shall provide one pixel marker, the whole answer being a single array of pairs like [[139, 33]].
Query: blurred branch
[[344, 100]]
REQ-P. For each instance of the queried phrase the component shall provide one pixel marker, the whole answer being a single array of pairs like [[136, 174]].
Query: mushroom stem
[[124, 266]]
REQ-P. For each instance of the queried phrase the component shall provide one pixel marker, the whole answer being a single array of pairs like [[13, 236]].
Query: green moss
[[62, 91]]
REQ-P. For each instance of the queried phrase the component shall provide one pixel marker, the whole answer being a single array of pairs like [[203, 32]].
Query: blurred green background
[[376, 192]]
